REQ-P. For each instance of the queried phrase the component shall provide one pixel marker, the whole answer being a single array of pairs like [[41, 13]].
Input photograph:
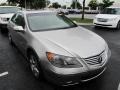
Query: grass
[[79, 20]]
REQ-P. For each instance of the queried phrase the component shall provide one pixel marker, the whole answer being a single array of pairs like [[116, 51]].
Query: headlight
[[3, 19], [63, 61], [113, 19]]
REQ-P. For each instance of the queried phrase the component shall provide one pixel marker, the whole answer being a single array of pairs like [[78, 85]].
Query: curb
[[85, 24]]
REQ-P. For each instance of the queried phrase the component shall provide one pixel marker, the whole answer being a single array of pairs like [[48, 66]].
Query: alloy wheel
[[34, 66]]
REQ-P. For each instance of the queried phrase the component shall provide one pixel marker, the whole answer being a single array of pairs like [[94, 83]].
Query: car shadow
[[4, 32], [105, 29], [96, 84]]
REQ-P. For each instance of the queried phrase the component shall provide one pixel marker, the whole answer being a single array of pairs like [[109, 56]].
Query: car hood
[[6, 15], [107, 16], [79, 41]]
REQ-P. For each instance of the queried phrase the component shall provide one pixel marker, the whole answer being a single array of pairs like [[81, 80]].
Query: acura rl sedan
[[58, 49]]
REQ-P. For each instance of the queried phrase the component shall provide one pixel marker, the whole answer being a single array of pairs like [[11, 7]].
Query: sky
[[67, 2]]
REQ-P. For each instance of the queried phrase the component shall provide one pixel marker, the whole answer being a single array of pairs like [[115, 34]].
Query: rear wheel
[[34, 65]]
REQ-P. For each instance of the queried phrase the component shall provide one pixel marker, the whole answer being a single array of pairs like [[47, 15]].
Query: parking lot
[[90, 16], [19, 76]]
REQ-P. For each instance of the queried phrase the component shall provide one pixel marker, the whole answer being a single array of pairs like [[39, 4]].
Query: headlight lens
[[3, 19], [113, 19], [63, 61]]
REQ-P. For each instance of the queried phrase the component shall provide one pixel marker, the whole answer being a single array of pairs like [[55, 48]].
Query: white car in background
[[109, 17], [6, 12]]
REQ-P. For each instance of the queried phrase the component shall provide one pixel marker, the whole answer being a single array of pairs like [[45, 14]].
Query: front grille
[[98, 59], [102, 20]]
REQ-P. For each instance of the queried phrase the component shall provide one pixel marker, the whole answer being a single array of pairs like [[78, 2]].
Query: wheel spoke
[[34, 67]]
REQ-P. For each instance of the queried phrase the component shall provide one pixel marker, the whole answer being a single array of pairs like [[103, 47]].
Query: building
[[116, 4]]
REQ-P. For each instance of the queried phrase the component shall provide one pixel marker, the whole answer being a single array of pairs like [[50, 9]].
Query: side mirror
[[75, 22], [19, 28]]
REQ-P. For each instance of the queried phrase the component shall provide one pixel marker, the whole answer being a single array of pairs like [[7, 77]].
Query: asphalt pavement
[[19, 76]]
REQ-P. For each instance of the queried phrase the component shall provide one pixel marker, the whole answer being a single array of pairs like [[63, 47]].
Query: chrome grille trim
[[94, 60], [102, 20]]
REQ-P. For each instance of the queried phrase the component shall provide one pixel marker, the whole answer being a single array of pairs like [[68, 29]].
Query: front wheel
[[34, 65]]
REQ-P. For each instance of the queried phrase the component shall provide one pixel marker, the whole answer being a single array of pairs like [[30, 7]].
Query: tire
[[118, 26], [34, 65]]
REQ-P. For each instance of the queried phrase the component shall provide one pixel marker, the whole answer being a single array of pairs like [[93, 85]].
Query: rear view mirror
[[19, 28]]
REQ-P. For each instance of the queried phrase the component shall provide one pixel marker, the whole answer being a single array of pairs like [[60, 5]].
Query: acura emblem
[[100, 59]]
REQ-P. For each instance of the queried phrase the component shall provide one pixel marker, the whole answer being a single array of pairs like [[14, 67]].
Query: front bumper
[[109, 24], [4, 26], [67, 80]]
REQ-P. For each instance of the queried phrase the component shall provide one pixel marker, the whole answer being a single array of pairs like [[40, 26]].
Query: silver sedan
[[57, 48]]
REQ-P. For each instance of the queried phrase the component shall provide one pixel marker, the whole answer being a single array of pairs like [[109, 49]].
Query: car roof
[[37, 11], [113, 7]]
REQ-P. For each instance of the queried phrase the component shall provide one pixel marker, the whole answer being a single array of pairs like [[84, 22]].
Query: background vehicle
[[109, 17], [64, 11], [74, 11], [6, 12], [63, 52]]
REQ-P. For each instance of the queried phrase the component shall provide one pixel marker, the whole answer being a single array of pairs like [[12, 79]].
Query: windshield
[[48, 21], [111, 11], [4, 10]]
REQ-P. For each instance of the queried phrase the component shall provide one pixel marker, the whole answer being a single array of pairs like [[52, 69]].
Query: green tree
[[36, 4], [64, 6], [29, 3], [3, 4], [76, 4], [93, 4], [106, 3], [56, 5]]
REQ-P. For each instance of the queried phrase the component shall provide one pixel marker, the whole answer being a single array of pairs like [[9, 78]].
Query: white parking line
[[119, 87], [3, 74]]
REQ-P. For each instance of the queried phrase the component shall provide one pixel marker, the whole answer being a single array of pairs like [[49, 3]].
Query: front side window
[[19, 20], [4, 10], [48, 21], [111, 11]]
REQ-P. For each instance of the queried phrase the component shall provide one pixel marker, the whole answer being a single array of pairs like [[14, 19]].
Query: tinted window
[[48, 21], [19, 20]]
